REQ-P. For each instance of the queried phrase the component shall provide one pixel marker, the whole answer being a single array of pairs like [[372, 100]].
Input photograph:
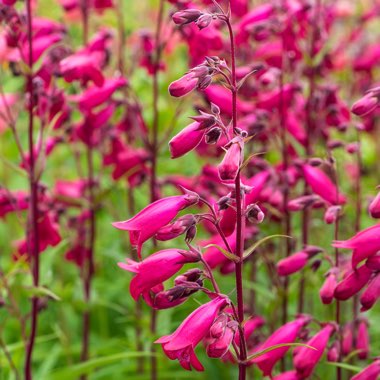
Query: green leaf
[[73, 372], [348, 367], [271, 348], [42, 291], [248, 252], [226, 253]]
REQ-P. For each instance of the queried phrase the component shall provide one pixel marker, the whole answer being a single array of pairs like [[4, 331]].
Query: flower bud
[[371, 294], [186, 16], [352, 148], [205, 120], [365, 105], [362, 339], [347, 338], [327, 290], [333, 353], [301, 203], [177, 228], [204, 82], [332, 214], [215, 109], [254, 214], [213, 135], [224, 202], [230, 165], [192, 275], [204, 20], [374, 207]]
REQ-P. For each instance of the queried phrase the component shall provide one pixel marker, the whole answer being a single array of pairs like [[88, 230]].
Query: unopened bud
[[332, 214], [204, 82], [301, 203], [352, 148], [224, 202], [204, 21], [254, 214], [186, 16], [215, 109]]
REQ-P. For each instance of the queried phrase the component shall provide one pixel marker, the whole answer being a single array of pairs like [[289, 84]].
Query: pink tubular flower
[[292, 264], [183, 85], [368, 103], [322, 185], [353, 283], [147, 222], [362, 340], [296, 261], [95, 95], [84, 67], [230, 165], [154, 270], [12, 201], [289, 375], [372, 372], [327, 290], [364, 244], [306, 358], [180, 345], [374, 207], [371, 294], [347, 338], [186, 140], [285, 334]]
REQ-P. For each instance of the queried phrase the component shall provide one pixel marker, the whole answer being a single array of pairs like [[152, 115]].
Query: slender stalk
[[33, 235], [240, 218], [285, 162], [336, 237], [154, 156], [88, 269], [308, 145]]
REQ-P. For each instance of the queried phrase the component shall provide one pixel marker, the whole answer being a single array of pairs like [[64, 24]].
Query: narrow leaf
[[348, 367], [248, 252], [226, 253], [276, 346]]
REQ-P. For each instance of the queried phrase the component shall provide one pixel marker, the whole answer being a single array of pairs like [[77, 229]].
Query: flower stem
[[240, 219], [33, 235], [154, 156]]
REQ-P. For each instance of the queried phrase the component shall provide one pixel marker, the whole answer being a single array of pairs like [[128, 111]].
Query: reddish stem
[[240, 218], [33, 238]]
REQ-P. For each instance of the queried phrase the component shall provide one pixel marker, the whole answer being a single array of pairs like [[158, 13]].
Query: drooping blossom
[[364, 244], [230, 165], [306, 358], [371, 293], [153, 270], [322, 185], [326, 292], [12, 201], [374, 207], [362, 339], [372, 372], [147, 222], [181, 344], [186, 140], [285, 334], [368, 103], [353, 283], [295, 262]]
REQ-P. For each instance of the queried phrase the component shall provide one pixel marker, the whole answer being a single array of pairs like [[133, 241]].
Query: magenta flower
[[184, 85], [306, 358], [154, 270], [371, 294], [362, 339], [229, 167], [374, 207], [364, 244], [181, 344], [322, 185], [285, 334], [327, 290], [372, 372], [289, 375], [147, 222], [222, 334], [368, 103], [353, 283], [95, 95], [297, 261], [83, 67], [11, 201], [186, 140]]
